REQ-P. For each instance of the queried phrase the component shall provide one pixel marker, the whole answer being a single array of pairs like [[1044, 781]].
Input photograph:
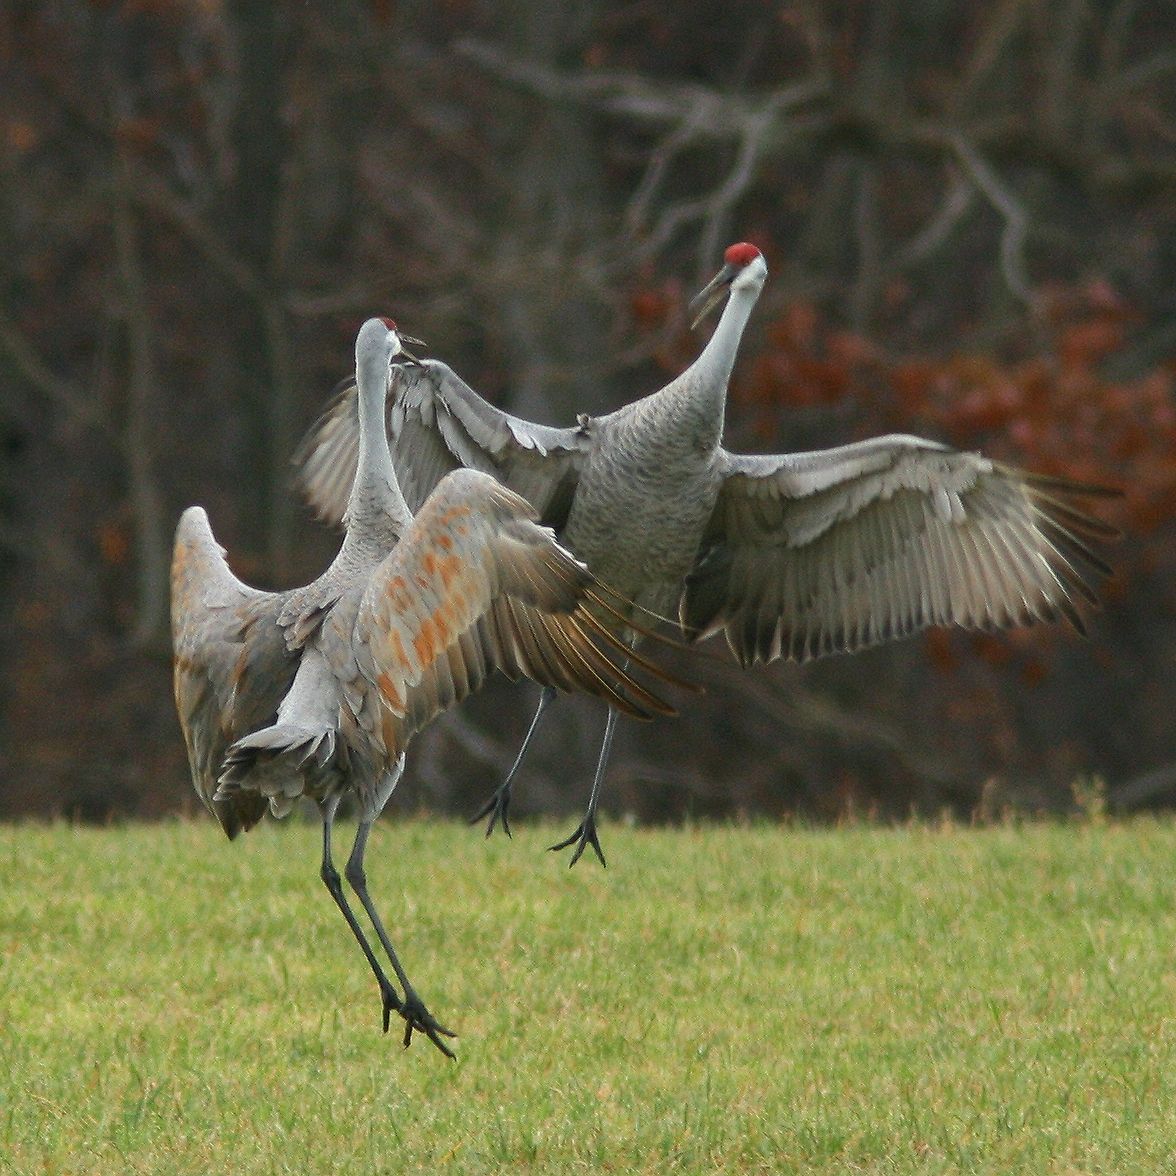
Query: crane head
[[738, 260], [402, 339], [382, 333], [378, 346]]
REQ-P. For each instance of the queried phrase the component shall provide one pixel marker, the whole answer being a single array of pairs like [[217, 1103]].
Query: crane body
[[317, 691]]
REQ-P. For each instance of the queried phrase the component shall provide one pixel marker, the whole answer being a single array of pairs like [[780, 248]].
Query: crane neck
[[376, 498], [693, 406], [712, 369]]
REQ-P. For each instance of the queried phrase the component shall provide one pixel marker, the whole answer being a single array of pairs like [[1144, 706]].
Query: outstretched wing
[[231, 666], [808, 554], [438, 423], [476, 585]]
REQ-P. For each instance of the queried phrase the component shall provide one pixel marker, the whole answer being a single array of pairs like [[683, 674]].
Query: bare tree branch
[[1012, 241], [146, 500], [281, 435], [1145, 71], [867, 235], [352, 299], [637, 210], [633, 96], [58, 389], [152, 193], [752, 145], [952, 209], [811, 107], [991, 47]]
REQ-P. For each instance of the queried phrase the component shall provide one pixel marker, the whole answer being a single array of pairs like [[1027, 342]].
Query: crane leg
[[412, 1009], [585, 833], [332, 881], [495, 808]]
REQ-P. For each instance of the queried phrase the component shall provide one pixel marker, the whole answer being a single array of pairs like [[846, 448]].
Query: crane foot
[[584, 835], [416, 1016], [495, 808], [392, 1002]]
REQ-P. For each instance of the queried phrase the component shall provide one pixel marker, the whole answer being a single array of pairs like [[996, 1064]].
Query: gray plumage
[[788, 555], [317, 691]]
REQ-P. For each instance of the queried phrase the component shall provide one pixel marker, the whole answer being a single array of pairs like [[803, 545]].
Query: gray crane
[[316, 691], [792, 555]]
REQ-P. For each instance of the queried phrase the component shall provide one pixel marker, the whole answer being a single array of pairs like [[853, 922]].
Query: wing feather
[[476, 584], [231, 665], [437, 423], [831, 551]]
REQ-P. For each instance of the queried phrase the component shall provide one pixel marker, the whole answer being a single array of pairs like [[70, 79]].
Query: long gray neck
[[694, 404], [712, 369], [376, 502]]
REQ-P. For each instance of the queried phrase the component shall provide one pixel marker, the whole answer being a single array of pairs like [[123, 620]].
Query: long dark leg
[[495, 808], [334, 884], [585, 833], [413, 1010]]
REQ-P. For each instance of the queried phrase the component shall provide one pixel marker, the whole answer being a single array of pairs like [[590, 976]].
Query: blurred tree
[[968, 212]]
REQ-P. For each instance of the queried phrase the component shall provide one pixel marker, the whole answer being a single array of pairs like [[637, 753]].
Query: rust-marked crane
[[317, 691]]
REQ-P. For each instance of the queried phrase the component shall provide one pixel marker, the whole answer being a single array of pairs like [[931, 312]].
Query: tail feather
[[240, 813], [281, 763]]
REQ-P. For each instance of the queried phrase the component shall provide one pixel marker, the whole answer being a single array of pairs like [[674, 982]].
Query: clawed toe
[[392, 1004], [416, 1016], [496, 809], [584, 835]]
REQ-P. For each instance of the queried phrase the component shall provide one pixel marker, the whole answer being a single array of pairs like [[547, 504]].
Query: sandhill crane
[[316, 691], [792, 555]]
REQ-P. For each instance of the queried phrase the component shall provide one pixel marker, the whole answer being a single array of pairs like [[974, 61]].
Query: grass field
[[728, 999]]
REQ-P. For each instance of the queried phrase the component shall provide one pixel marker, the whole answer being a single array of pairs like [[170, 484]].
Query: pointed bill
[[415, 342], [711, 294]]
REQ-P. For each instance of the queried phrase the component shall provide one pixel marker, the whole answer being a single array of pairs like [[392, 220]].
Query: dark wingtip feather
[[1072, 614], [1076, 520], [1071, 486], [1072, 548]]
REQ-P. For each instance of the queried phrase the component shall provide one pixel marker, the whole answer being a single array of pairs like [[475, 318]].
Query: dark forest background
[[969, 215]]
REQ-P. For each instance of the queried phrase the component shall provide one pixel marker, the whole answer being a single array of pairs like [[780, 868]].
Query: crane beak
[[711, 294], [415, 342]]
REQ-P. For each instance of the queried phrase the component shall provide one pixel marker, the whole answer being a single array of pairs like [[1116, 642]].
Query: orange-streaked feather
[[475, 584]]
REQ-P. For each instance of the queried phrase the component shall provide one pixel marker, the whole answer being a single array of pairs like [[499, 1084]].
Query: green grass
[[719, 1000]]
